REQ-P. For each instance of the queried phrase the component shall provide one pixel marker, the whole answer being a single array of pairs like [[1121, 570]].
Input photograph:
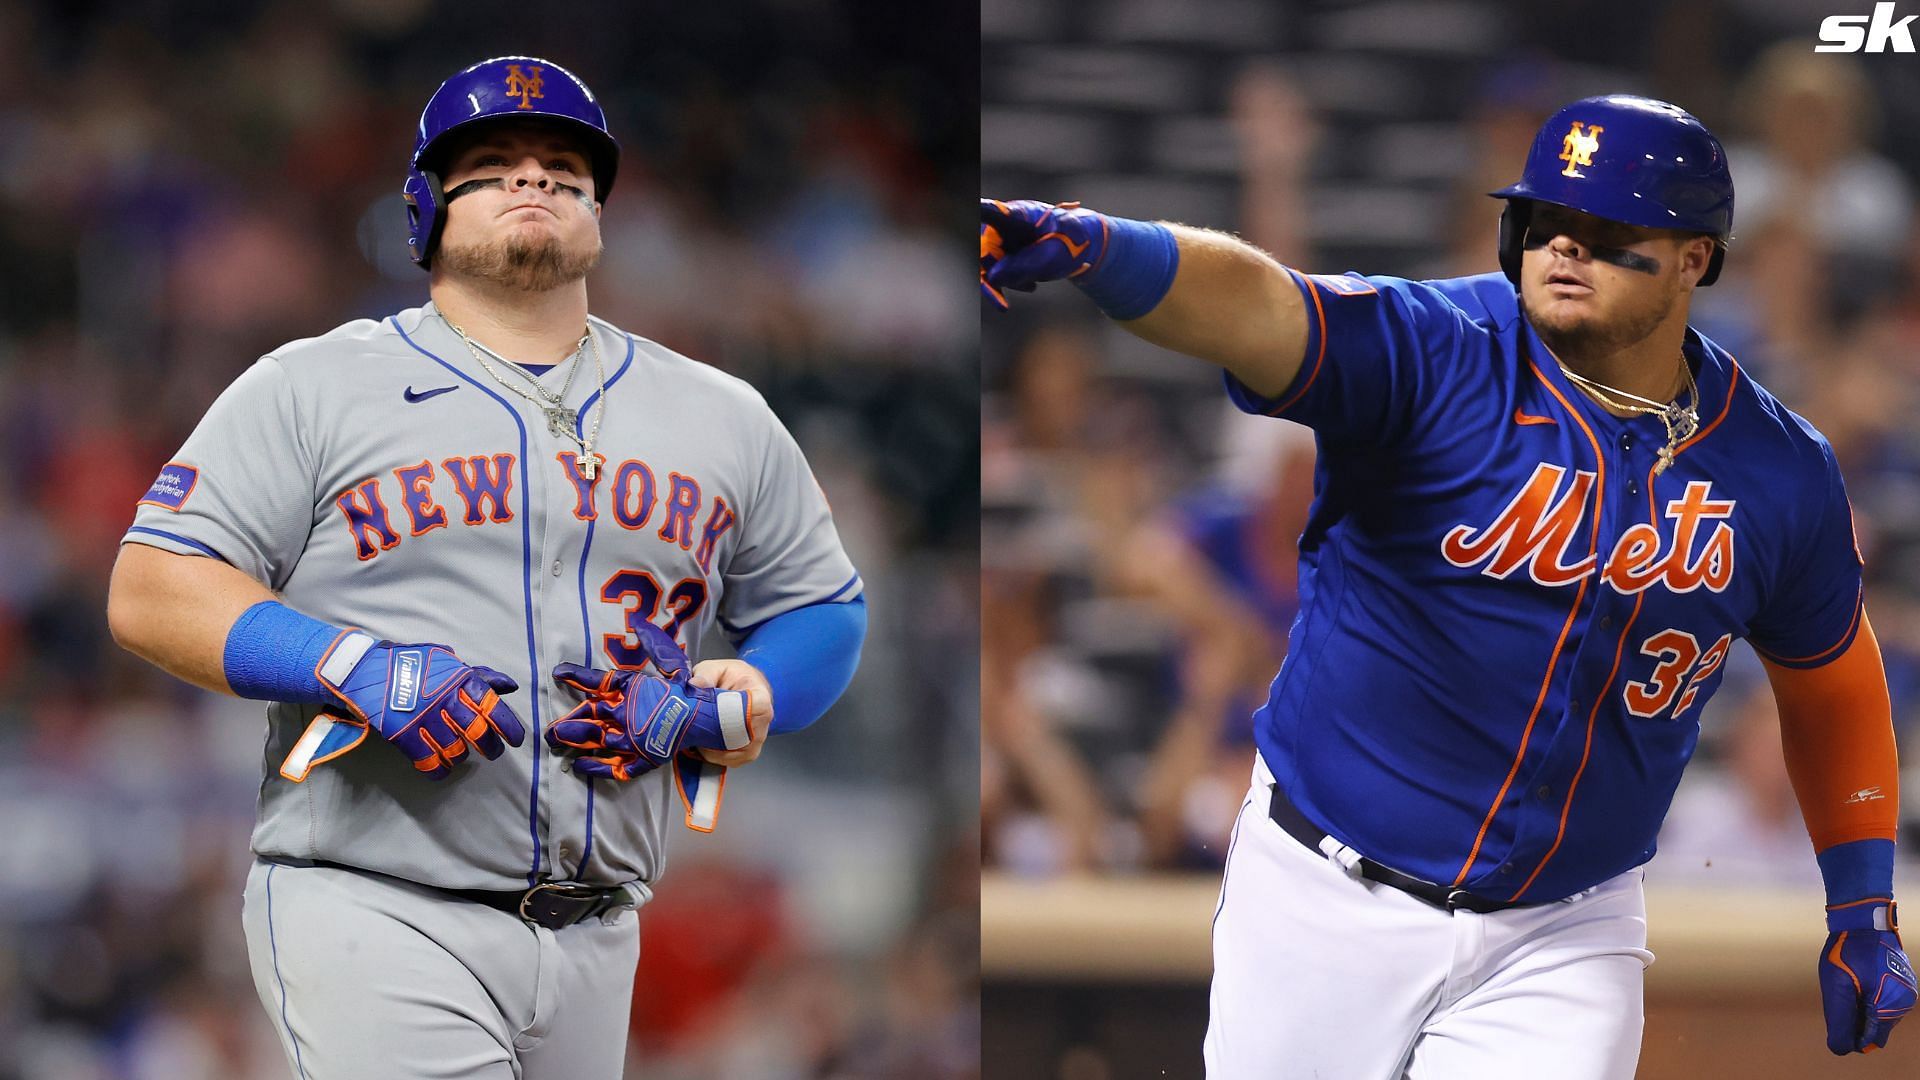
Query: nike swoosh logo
[[1524, 419], [425, 394]]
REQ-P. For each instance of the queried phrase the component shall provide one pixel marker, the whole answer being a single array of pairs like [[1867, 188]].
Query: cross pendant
[[589, 465], [560, 421]]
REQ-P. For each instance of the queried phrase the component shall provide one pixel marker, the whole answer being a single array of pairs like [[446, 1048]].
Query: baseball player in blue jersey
[[1545, 508], [485, 531]]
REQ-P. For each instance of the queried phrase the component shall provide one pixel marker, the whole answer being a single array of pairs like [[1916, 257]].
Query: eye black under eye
[[1601, 237]]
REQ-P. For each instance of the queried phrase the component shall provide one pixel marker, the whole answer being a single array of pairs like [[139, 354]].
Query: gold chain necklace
[[561, 420], [1681, 421]]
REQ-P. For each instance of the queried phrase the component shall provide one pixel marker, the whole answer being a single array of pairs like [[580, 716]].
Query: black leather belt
[[552, 904], [1296, 825]]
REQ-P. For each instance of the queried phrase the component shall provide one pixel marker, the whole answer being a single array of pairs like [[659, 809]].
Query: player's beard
[[1589, 337], [517, 262]]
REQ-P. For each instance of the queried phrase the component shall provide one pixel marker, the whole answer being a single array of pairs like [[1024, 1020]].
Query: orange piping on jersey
[[1566, 808], [1606, 688], [1320, 314], [1553, 660], [1733, 380], [1859, 607], [1593, 714]]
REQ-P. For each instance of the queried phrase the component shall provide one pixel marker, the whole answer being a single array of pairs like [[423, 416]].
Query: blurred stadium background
[[1137, 533], [189, 184]]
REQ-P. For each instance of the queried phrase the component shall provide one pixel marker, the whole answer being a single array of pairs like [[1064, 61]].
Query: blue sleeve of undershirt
[[808, 656]]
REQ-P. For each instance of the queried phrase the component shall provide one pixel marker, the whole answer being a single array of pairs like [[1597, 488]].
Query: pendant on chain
[[560, 421]]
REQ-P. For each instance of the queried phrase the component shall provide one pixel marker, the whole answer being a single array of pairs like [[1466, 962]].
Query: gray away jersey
[[378, 477]]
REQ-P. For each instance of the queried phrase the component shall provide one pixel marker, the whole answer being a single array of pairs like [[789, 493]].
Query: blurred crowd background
[[184, 186], [1138, 532]]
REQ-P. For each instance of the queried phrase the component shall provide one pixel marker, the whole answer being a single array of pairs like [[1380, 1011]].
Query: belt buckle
[[569, 892], [1455, 897]]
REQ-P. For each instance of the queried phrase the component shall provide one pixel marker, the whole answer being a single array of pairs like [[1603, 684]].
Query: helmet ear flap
[[1513, 237], [424, 215]]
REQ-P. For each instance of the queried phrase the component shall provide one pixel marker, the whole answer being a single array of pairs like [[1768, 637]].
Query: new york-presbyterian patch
[[172, 487]]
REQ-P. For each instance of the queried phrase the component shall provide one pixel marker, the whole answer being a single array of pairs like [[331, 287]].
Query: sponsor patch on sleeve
[[172, 487]]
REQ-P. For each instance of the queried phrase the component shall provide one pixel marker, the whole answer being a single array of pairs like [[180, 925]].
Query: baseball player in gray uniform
[[482, 531]]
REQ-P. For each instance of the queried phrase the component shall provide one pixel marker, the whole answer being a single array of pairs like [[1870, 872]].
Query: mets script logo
[[1536, 532], [1578, 148], [527, 87]]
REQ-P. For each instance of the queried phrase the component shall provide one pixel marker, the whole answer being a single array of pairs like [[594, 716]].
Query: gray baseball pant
[[368, 976]]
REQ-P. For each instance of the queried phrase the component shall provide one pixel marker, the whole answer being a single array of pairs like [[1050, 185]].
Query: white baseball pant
[[1317, 973]]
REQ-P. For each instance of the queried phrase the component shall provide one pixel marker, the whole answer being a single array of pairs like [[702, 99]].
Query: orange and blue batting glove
[[420, 697], [1124, 266], [1866, 981], [631, 722]]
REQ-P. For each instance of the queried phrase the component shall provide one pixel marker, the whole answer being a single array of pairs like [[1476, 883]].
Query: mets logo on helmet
[[1535, 533], [1579, 146], [527, 87]]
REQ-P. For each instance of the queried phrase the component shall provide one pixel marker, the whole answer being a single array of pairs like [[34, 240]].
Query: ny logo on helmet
[[527, 87], [1579, 147]]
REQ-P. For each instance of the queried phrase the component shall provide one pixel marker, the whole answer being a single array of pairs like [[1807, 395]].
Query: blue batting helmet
[[503, 88], [1629, 159]]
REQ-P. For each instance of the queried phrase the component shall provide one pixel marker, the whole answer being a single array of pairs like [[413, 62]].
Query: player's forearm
[[808, 657], [1202, 293], [1836, 727], [1232, 305], [175, 611]]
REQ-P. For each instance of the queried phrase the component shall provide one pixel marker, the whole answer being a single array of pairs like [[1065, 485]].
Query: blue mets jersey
[[1509, 623]]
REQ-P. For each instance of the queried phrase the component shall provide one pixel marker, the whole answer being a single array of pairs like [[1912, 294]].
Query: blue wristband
[[1857, 870], [808, 656], [272, 653], [1136, 271]]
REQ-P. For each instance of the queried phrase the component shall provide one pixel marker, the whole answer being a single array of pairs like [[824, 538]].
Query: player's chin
[[1562, 310]]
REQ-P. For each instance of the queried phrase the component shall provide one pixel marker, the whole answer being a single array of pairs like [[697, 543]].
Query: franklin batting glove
[[1125, 267], [1865, 980], [631, 722], [1024, 242], [420, 697]]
